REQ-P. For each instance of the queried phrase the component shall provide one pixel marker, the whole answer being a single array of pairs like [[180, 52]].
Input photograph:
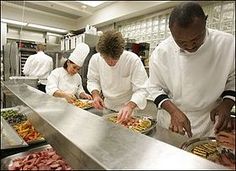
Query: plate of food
[[142, 124], [39, 158], [83, 103], [205, 147]]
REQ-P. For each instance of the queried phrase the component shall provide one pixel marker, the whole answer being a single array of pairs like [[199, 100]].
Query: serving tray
[[205, 147], [9, 137], [7, 161], [146, 131]]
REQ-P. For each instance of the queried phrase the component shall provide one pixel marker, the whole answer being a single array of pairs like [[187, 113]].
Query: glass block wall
[[154, 28]]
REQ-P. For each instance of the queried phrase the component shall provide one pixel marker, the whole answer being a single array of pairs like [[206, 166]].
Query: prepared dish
[[204, 147], [136, 123], [28, 132], [13, 116], [84, 104], [41, 158]]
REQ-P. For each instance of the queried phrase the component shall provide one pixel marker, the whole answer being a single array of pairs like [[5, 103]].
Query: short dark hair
[[65, 65], [184, 13], [111, 44]]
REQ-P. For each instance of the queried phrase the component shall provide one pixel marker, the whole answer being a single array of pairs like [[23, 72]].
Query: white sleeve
[[27, 66], [80, 88], [93, 82], [229, 91], [155, 83], [138, 79], [52, 83]]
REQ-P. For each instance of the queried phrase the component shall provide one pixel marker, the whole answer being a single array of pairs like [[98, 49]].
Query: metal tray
[[207, 151], [9, 137], [153, 122], [21, 110], [7, 161], [191, 144]]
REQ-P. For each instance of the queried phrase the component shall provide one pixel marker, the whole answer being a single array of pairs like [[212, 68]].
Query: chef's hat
[[79, 54]]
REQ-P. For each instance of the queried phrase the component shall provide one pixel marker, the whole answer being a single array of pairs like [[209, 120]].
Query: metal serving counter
[[88, 141]]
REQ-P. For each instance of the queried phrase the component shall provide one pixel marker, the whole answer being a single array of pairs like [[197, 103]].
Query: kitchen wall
[[153, 28]]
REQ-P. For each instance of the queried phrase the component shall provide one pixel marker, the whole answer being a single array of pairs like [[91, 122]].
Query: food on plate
[[134, 123], [46, 159], [13, 117], [207, 150], [82, 104], [27, 131]]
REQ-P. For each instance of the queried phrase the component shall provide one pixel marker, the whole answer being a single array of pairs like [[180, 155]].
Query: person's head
[[111, 45], [40, 47], [71, 67], [187, 24], [76, 58]]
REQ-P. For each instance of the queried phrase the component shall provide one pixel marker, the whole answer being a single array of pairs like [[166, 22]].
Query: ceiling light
[[47, 28], [92, 3], [13, 22]]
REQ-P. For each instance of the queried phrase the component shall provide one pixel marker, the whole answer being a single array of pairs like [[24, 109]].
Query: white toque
[[79, 54]]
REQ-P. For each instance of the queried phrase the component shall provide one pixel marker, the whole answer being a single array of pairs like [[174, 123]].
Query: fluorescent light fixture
[[47, 28], [92, 3], [13, 22]]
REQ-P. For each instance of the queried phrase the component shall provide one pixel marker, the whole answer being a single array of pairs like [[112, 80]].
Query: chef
[[39, 65], [118, 74], [65, 82], [192, 75]]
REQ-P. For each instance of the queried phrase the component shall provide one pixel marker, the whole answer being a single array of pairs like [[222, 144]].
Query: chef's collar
[[189, 53]]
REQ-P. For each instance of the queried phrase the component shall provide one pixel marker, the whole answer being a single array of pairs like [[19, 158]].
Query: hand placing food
[[70, 97], [126, 112], [180, 123], [226, 139], [84, 95], [223, 113], [98, 103]]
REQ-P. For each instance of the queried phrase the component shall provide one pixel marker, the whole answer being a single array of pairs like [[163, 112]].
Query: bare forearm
[[59, 93], [95, 93], [169, 106], [229, 103], [131, 104]]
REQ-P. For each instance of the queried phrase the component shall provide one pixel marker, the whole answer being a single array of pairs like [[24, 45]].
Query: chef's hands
[[126, 112], [70, 98], [179, 122], [226, 139], [98, 102], [222, 111], [84, 95]]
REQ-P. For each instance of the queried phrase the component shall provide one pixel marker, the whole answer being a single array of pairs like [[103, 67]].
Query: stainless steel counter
[[159, 133], [88, 141]]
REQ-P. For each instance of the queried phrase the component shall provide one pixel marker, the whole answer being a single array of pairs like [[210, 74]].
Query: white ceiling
[[70, 15], [68, 9]]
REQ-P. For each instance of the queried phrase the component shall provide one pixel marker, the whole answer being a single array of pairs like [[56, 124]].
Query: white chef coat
[[193, 81], [121, 83], [60, 79], [38, 65]]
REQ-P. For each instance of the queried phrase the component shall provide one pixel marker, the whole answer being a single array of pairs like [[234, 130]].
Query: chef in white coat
[[65, 82], [118, 74], [192, 75], [39, 65]]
